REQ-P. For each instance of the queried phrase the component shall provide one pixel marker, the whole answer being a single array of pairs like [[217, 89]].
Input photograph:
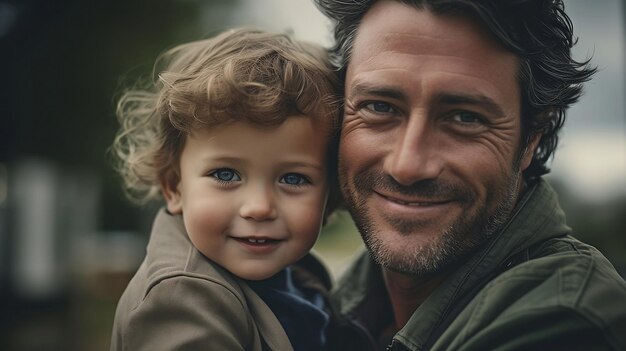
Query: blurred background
[[70, 241]]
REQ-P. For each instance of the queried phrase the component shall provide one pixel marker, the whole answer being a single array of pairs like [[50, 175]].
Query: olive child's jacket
[[180, 300], [532, 287]]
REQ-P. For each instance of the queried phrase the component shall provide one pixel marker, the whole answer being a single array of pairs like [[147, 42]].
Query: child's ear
[[171, 193]]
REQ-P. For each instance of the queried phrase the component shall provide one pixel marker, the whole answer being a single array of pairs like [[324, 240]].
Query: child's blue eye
[[294, 179], [225, 175]]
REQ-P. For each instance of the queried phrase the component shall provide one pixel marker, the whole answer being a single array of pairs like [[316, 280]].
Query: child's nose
[[259, 206]]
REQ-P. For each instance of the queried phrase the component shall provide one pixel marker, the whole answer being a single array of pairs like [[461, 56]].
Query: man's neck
[[407, 292]]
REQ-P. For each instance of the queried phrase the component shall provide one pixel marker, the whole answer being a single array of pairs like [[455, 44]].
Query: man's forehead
[[402, 27], [394, 35], [407, 54]]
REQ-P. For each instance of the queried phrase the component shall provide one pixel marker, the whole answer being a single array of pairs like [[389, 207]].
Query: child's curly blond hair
[[240, 75]]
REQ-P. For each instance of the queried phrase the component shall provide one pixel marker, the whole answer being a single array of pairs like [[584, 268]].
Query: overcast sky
[[591, 158]]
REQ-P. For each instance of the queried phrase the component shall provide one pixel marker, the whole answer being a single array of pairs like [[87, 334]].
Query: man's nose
[[259, 204], [415, 155]]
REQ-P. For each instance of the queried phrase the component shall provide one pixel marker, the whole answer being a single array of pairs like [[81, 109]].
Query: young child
[[239, 136]]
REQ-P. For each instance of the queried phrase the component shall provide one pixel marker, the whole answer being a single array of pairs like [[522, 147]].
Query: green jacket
[[532, 287]]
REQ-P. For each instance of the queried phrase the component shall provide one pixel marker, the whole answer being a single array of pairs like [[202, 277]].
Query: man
[[452, 109]]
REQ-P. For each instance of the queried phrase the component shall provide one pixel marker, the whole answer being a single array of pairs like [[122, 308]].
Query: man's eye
[[225, 175], [294, 179], [466, 117], [380, 107]]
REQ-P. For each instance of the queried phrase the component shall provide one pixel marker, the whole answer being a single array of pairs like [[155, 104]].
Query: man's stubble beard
[[451, 246]]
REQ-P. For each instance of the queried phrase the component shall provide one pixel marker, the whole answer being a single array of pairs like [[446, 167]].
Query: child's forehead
[[263, 123], [301, 140]]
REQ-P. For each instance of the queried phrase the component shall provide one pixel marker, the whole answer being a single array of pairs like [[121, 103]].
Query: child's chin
[[256, 275]]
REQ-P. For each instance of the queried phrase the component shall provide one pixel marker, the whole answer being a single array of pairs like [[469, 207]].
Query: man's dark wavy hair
[[538, 32]]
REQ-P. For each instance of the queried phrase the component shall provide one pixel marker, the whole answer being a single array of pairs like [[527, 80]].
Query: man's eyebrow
[[445, 98], [376, 90], [480, 100]]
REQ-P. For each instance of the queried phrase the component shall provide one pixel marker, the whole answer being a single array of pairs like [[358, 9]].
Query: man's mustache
[[440, 189]]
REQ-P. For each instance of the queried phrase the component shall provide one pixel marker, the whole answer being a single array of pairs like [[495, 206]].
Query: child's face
[[253, 198]]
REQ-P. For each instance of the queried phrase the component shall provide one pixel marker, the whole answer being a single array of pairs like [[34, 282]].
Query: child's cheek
[[308, 218], [207, 225]]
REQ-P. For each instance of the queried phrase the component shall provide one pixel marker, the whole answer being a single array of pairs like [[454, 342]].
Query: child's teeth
[[252, 240], [261, 241]]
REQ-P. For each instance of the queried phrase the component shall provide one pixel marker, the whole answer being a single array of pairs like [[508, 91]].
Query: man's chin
[[416, 247], [403, 252], [424, 260]]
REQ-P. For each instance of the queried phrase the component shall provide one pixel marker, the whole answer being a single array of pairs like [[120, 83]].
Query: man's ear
[[171, 193], [529, 151]]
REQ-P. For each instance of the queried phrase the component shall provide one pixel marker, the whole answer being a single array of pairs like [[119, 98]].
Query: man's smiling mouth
[[415, 203]]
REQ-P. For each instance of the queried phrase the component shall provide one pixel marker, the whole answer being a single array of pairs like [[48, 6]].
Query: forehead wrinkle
[[372, 61], [416, 43]]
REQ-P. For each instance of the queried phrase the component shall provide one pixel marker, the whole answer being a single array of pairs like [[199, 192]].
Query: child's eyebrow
[[289, 164], [306, 164], [230, 159]]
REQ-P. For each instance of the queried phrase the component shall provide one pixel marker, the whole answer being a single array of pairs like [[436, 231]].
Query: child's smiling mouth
[[258, 244], [258, 240]]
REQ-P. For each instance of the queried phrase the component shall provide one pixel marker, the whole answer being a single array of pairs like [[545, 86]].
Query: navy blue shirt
[[301, 313]]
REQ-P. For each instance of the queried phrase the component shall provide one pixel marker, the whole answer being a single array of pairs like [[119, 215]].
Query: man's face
[[430, 160]]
